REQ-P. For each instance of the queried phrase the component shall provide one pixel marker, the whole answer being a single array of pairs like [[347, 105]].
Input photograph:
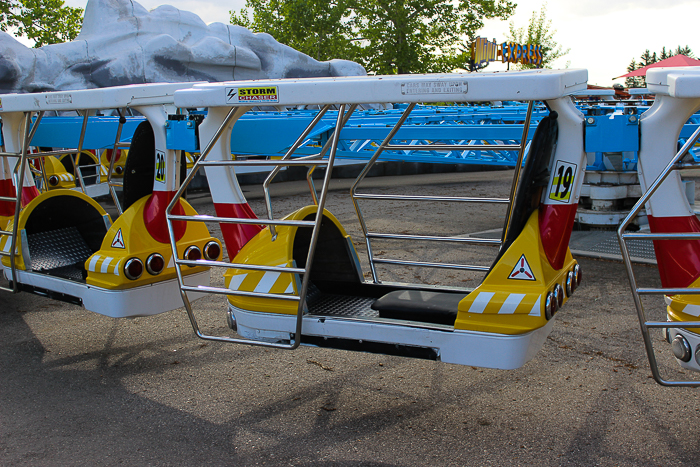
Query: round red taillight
[[554, 304], [155, 264], [53, 180], [559, 294], [549, 305], [212, 250], [193, 253], [133, 268]]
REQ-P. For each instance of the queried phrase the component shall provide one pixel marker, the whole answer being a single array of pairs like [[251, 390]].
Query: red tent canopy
[[676, 60]]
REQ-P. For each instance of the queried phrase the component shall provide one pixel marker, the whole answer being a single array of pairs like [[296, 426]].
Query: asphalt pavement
[[78, 388]]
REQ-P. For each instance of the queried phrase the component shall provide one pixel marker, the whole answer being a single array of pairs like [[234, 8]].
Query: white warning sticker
[[434, 87], [59, 99], [118, 241], [522, 271]]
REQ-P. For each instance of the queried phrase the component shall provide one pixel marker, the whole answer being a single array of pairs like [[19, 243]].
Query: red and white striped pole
[[668, 210], [226, 194], [13, 130], [166, 181], [560, 199]]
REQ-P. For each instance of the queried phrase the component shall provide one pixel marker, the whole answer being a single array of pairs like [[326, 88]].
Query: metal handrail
[[452, 147], [518, 168], [251, 267], [363, 174], [644, 324], [471, 240], [424, 264], [241, 293], [295, 339], [273, 173], [117, 145], [76, 162], [309, 173], [18, 175], [446, 199], [240, 220], [386, 145], [266, 163]]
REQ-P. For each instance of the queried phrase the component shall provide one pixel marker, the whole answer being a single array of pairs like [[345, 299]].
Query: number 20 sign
[[562, 182]]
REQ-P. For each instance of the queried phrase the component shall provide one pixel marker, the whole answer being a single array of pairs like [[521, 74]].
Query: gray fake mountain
[[122, 43]]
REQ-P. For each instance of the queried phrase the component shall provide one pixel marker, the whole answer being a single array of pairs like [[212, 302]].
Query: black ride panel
[[533, 179], [337, 288], [140, 165], [420, 305], [62, 233]]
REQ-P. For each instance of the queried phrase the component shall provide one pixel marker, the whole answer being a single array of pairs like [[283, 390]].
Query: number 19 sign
[[562, 182]]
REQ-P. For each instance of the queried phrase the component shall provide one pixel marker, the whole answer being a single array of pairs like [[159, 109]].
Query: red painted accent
[[7, 208], [154, 217], [556, 222], [28, 194], [678, 260], [108, 156], [236, 235]]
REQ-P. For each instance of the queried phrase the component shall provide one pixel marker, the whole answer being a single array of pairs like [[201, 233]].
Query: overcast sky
[[603, 35]]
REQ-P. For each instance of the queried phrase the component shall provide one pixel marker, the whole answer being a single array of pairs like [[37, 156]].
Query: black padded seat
[[419, 305]]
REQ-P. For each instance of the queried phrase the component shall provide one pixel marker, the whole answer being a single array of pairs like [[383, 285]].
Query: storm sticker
[[522, 271], [253, 95]]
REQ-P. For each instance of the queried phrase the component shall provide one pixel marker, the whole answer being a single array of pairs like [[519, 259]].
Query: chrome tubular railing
[[276, 165], [644, 324], [386, 145]]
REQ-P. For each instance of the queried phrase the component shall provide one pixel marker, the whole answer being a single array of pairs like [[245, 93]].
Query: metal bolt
[[591, 120]]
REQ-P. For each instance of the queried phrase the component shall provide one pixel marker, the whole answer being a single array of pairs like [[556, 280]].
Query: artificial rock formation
[[122, 43]]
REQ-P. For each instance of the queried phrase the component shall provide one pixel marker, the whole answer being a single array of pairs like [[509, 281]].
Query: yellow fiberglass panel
[[6, 245], [128, 238], [27, 212], [262, 250], [511, 298], [63, 179], [685, 307]]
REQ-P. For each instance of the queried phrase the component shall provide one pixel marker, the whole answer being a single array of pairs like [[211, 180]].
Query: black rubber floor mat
[[60, 252]]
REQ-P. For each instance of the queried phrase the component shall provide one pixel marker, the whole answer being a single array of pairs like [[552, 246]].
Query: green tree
[[634, 81], [539, 31], [43, 21], [647, 58], [421, 36], [385, 36], [318, 28], [664, 54], [684, 51]]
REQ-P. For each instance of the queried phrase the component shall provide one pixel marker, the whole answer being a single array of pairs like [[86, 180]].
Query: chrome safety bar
[[386, 145], [295, 339], [117, 146], [623, 237], [18, 177]]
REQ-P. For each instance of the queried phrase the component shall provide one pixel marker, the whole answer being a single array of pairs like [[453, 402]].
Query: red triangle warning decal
[[118, 241], [522, 271]]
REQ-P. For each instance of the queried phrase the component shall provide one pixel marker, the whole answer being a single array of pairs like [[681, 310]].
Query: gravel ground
[[78, 388]]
